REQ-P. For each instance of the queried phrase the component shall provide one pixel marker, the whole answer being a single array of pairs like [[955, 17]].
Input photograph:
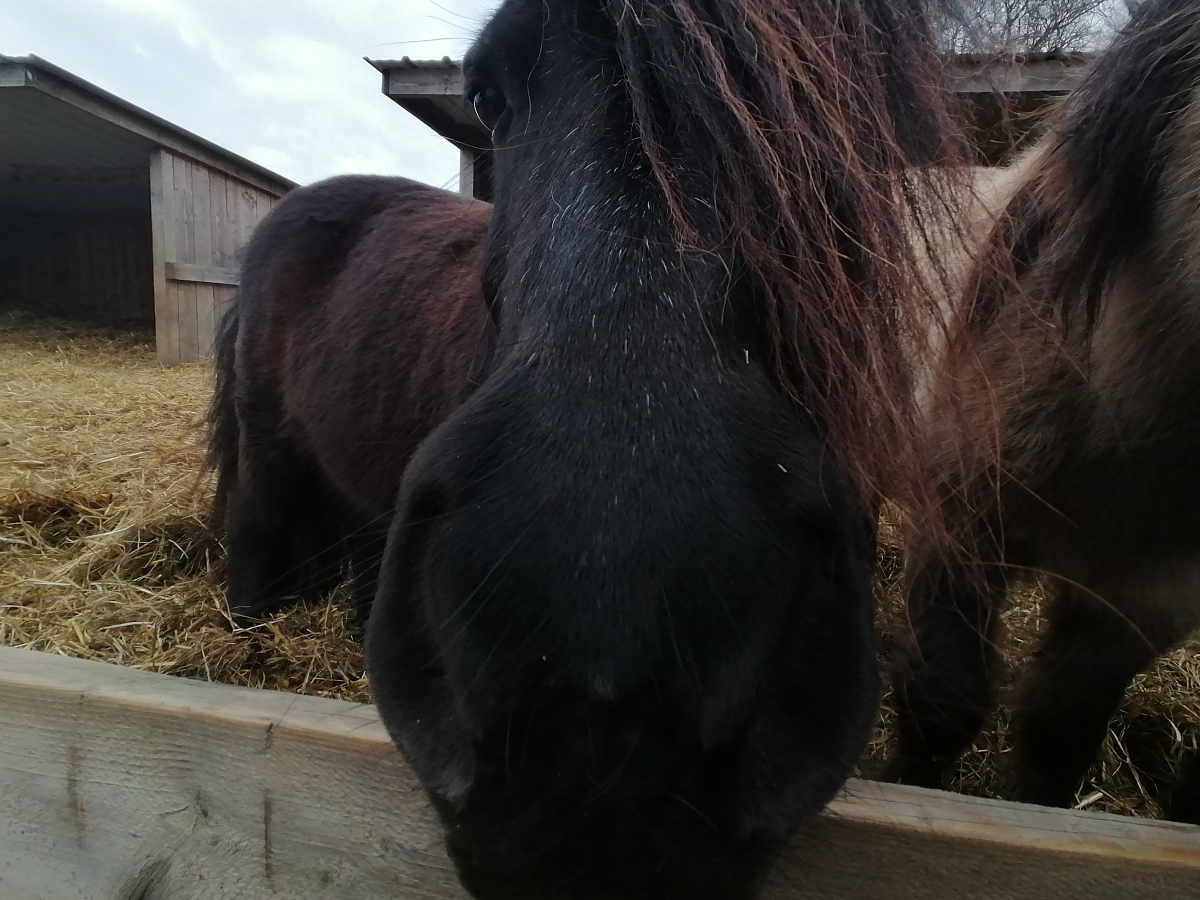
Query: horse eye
[[489, 105]]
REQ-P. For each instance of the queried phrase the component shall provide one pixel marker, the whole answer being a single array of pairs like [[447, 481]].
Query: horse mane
[[814, 121], [1089, 202]]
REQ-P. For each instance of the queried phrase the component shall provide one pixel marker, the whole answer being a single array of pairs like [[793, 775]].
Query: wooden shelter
[[432, 90], [110, 213], [1006, 98], [1003, 100]]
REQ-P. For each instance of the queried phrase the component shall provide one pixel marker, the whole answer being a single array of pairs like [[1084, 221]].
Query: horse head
[[624, 625]]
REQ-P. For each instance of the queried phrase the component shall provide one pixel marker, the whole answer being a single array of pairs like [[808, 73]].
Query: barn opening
[[110, 214]]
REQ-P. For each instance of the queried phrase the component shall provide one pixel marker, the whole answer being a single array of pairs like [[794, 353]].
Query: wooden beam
[[448, 118], [16, 174], [13, 74], [202, 274], [433, 93], [117, 784], [445, 80], [1015, 77], [404, 79], [162, 246], [466, 171]]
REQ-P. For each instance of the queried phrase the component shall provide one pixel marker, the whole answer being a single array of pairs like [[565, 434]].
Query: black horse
[[623, 624]]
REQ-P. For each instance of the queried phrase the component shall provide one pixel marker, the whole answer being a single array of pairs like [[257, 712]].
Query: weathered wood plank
[[402, 80], [1012, 77], [206, 319], [222, 298], [183, 247], [247, 213], [186, 209], [201, 274], [202, 228], [162, 249], [222, 233], [201, 791], [189, 344], [887, 842], [209, 792]]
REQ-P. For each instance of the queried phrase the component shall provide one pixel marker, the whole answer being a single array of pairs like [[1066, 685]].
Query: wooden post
[[475, 173], [117, 784], [162, 239], [466, 171]]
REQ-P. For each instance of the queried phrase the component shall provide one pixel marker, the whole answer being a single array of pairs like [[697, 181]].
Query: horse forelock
[[809, 123]]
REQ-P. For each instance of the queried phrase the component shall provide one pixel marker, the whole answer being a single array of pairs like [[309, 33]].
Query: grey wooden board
[[202, 220], [111, 777], [117, 784], [1012, 77], [202, 274], [162, 239], [445, 79]]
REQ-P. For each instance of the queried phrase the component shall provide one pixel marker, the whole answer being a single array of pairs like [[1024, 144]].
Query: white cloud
[[178, 13], [281, 82]]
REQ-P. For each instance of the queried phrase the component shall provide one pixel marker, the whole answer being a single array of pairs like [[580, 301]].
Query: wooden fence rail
[[122, 785]]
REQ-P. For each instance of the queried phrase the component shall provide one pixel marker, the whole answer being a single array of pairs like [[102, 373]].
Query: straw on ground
[[104, 555]]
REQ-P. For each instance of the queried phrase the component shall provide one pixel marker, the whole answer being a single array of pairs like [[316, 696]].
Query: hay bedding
[[103, 555]]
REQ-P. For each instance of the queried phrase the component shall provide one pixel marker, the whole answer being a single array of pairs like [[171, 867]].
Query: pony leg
[[281, 542], [944, 689], [1089, 654], [1184, 805], [365, 552]]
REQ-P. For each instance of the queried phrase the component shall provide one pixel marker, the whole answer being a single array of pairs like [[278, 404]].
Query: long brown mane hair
[[827, 133]]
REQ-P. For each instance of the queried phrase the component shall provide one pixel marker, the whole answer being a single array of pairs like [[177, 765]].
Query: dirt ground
[[103, 555]]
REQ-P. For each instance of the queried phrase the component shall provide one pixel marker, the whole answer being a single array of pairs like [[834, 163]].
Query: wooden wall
[[79, 267], [200, 220]]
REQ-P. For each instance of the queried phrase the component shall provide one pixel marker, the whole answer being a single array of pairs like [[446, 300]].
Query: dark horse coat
[[315, 414]]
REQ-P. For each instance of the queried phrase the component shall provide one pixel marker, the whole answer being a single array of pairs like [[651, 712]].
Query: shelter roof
[[61, 134], [432, 89]]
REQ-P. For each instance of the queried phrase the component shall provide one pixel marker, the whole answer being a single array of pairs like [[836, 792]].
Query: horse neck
[[947, 249]]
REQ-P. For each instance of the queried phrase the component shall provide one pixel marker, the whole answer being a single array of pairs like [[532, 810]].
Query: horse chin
[[576, 794], [523, 841]]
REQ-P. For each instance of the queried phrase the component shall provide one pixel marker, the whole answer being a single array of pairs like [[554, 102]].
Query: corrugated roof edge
[[36, 62], [976, 59], [405, 62]]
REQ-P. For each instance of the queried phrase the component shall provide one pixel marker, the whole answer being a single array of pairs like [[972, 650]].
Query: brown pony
[[359, 311], [622, 627], [1069, 441]]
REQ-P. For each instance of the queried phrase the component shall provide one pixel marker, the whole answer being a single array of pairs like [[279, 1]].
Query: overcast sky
[[281, 82]]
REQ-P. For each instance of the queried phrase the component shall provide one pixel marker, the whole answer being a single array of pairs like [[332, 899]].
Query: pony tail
[[223, 429], [831, 139]]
